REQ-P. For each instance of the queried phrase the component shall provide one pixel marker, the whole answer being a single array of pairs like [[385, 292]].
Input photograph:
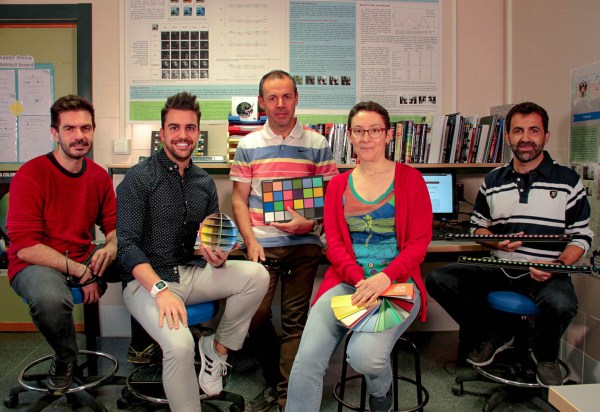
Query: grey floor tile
[[437, 361]]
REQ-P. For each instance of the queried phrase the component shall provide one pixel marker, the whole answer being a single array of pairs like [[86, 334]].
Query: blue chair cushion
[[512, 302], [201, 312], [77, 295]]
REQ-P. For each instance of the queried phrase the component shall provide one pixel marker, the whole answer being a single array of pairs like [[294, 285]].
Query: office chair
[[513, 368]]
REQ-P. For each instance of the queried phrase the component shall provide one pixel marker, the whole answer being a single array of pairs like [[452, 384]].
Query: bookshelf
[[223, 168]]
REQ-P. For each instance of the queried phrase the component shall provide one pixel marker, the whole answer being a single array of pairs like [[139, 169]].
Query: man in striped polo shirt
[[532, 194], [283, 148]]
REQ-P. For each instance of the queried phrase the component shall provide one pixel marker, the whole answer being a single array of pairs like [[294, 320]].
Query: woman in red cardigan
[[378, 226]]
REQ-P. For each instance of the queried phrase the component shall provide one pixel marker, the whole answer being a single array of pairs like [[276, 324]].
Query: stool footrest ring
[[24, 379]]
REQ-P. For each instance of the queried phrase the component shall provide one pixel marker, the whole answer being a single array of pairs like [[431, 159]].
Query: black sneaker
[[487, 350], [383, 404], [152, 353], [549, 373], [60, 377], [263, 401]]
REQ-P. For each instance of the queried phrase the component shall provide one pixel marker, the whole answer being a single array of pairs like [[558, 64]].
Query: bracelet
[[83, 274], [559, 261]]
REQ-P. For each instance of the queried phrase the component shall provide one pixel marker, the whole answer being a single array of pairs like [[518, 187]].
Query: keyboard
[[439, 232]]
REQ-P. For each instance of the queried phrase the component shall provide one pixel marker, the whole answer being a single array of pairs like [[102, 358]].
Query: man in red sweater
[[55, 201]]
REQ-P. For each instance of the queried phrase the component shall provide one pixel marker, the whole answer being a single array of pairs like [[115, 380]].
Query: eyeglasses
[[374, 133]]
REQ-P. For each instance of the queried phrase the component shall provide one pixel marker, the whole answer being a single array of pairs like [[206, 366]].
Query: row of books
[[451, 138], [468, 139]]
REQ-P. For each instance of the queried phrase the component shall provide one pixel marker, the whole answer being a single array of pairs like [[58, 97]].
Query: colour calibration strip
[[218, 230], [303, 194]]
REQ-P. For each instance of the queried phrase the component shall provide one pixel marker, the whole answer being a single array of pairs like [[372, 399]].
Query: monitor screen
[[442, 194]]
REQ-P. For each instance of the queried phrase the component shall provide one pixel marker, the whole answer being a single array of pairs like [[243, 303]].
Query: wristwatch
[[158, 287]]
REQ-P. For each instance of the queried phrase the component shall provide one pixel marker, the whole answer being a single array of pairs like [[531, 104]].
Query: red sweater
[[51, 206], [413, 231]]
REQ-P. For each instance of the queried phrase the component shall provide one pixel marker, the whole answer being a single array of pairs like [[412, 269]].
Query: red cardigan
[[413, 230]]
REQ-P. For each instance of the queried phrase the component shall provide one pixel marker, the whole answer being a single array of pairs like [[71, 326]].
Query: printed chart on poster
[[334, 49], [584, 133]]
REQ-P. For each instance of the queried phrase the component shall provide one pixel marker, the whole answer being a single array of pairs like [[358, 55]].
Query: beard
[[527, 156], [177, 154], [75, 154]]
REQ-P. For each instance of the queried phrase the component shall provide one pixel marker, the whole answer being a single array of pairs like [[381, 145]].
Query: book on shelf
[[448, 137], [436, 141], [487, 126], [502, 111], [456, 142], [398, 130], [468, 140]]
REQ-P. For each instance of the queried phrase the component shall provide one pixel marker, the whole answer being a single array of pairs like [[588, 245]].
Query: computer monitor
[[441, 186]]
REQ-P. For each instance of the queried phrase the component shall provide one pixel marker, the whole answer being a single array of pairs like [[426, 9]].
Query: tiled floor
[[438, 366]]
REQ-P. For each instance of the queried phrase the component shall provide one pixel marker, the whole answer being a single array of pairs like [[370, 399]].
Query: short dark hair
[[276, 74], [526, 108], [70, 103], [181, 101], [369, 107]]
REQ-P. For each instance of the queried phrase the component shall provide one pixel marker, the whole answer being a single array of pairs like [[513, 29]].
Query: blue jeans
[[368, 353], [51, 307], [462, 291]]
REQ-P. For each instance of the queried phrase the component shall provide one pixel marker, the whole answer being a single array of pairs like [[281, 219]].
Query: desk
[[435, 247], [575, 398], [453, 246]]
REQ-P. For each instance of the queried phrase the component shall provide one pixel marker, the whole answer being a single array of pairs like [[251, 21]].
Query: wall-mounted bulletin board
[[26, 93], [340, 52]]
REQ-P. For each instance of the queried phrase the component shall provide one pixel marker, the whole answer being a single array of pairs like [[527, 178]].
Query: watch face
[[160, 285]]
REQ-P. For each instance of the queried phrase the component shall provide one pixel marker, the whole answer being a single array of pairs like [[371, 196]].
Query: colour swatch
[[385, 313], [305, 195], [218, 230]]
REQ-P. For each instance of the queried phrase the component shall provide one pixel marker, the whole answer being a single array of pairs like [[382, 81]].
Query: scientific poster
[[585, 122], [339, 52]]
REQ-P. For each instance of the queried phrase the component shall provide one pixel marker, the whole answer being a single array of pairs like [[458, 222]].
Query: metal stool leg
[[339, 389], [343, 377]]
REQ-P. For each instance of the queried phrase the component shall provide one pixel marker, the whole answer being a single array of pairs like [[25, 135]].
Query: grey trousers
[[243, 284]]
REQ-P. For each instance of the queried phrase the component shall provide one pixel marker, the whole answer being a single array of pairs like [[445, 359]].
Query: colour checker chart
[[303, 194], [218, 230]]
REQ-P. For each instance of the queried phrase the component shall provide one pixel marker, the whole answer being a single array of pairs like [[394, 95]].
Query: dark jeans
[[50, 302], [462, 291], [296, 268], [48, 295]]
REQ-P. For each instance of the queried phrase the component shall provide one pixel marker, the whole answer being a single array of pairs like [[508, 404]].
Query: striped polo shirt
[[548, 200], [263, 155]]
